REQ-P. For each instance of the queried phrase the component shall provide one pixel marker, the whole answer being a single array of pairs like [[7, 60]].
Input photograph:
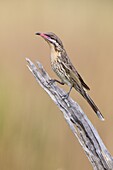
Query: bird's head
[[52, 40]]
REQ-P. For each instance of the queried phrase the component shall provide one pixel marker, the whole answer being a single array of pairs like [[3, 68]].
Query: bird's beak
[[42, 35], [37, 33]]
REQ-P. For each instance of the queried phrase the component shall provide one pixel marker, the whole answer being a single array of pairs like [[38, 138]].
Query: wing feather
[[75, 75]]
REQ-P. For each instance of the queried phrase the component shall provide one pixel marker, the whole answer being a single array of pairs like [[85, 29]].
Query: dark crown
[[54, 37]]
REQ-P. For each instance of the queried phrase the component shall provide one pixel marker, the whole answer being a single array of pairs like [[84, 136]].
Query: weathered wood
[[77, 120]]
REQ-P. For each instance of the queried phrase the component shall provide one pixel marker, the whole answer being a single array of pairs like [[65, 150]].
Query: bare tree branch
[[78, 122]]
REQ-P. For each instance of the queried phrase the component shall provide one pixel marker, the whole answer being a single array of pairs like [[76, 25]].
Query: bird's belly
[[57, 68]]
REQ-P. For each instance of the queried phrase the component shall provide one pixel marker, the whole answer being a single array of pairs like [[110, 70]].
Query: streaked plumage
[[65, 70]]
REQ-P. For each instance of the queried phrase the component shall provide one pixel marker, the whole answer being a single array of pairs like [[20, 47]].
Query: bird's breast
[[57, 67]]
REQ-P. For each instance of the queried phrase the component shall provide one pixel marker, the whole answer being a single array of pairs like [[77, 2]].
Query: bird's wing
[[75, 75], [82, 82]]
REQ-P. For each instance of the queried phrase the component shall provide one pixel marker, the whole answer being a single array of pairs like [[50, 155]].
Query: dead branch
[[77, 120]]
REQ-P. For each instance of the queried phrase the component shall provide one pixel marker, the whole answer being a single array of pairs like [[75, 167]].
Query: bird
[[65, 70]]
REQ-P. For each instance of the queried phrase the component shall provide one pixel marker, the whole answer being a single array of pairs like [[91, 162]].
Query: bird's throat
[[54, 54]]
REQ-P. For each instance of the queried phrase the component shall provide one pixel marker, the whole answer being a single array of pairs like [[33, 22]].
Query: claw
[[51, 81], [65, 96]]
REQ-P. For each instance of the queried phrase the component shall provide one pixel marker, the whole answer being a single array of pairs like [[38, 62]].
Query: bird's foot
[[65, 96], [51, 81], [57, 81]]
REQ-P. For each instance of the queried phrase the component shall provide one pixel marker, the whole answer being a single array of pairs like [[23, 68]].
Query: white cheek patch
[[54, 42]]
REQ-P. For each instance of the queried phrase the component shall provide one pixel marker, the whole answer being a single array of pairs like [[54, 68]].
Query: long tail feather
[[94, 107], [91, 103]]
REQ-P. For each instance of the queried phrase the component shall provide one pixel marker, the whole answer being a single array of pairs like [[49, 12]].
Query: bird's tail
[[92, 104]]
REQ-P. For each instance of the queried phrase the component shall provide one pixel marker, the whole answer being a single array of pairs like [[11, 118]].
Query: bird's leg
[[67, 95], [54, 80]]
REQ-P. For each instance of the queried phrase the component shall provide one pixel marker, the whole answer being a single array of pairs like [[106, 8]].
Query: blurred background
[[33, 132]]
